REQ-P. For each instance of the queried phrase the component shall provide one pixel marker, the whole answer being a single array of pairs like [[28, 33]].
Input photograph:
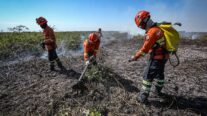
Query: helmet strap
[[149, 24], [144, 23], [43, 26]]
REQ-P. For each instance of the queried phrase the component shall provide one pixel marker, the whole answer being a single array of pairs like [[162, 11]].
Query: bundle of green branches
[[94, 73]]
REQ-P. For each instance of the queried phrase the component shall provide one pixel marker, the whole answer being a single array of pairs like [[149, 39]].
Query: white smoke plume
[[108, 37]]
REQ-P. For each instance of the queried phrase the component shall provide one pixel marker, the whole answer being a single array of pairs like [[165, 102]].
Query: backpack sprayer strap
[[164, 52], [172, 37], [159, 44]]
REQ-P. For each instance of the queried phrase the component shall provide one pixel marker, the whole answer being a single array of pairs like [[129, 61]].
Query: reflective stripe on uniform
[[49, 40], [143, 54], [146, 88], [160, 83], [161, 41], [52, 61], [147, 83], [95, 50]]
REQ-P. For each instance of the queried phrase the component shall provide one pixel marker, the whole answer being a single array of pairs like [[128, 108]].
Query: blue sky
[[81, 15]]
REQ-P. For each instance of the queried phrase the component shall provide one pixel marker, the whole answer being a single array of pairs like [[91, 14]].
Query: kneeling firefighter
[[154, 43], [49, 44]]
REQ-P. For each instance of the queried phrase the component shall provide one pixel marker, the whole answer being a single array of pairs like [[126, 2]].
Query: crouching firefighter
[[49, 44], [91, 46], [154, 43]]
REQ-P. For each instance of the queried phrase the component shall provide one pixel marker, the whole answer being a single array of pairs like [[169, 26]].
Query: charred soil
[[29, 88]]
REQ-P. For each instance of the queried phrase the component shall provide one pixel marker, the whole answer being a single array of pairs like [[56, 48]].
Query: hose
[[178, 60]]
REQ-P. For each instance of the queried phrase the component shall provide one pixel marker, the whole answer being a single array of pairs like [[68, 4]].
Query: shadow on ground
[[198, 105], [110, 79], [70, 73], [115, 80]]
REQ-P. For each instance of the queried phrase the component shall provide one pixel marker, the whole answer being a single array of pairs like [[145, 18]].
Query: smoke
[[195, 36], [17, 60], [63, 50], [192, 35], [107, 38], [191, 13]]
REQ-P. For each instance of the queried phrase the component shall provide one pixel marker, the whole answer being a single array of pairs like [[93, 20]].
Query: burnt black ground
[[29, 88]]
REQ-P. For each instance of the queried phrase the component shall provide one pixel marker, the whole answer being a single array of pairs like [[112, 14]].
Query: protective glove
[[92, 58], [133, 58], [87, 62], [42, 45]]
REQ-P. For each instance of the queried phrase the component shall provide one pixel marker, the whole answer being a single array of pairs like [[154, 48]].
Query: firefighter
[[91, 46], [100, 33], [154, 43], [49, 43]]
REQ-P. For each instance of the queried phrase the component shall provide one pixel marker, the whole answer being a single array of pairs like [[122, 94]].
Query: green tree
[[19, 28]]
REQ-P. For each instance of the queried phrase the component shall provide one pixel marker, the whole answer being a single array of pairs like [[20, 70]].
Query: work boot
[[60, 65], [63, 68], [143, 98], [52, 67], [94, 63], [158, 91]]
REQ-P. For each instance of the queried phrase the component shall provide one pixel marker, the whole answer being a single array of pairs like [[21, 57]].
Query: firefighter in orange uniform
[[154, 43], [49, 43], [91, 46]]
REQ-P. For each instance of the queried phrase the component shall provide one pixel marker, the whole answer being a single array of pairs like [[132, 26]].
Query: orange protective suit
[[152, 36], [90, 48], [49, 40]]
